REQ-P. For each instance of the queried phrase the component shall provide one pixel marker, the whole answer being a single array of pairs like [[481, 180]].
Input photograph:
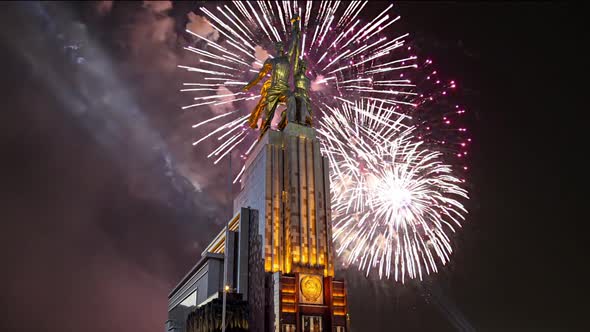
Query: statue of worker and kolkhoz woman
[[277, 89]]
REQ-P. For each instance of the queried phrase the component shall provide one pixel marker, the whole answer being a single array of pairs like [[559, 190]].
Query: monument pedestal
[[286, 180]]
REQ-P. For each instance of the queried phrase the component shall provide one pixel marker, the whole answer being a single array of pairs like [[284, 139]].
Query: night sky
[[105, 205]]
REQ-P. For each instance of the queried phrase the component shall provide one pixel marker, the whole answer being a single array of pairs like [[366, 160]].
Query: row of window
[[310, 324]]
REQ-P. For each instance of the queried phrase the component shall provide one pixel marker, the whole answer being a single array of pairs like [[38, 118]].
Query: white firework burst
[[394, 203]]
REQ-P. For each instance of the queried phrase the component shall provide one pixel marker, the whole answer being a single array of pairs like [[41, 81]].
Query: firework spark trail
[[352, 54], [394, 202], [438, 116]]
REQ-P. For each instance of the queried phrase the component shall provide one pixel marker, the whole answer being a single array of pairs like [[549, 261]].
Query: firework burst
[[439, 119], [394, 203], [348, 58]]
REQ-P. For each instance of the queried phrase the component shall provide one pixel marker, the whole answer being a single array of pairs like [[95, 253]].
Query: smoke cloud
[[107, 195], [103, 7], [201, 26]]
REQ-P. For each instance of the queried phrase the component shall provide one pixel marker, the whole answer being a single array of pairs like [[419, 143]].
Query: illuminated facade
[[278, 253], [288, 169]]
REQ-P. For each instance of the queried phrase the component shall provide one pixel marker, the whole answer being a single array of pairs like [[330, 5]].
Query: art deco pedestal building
[[278, 255]]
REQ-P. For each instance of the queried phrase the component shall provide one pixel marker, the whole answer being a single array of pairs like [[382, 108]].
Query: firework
[[394, 202], [348, 58], [439, 119]]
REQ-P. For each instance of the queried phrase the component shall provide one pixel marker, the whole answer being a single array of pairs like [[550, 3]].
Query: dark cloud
[[101, 216]]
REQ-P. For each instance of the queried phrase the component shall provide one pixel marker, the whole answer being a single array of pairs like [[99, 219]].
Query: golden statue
[[276, 89], [255, 115]]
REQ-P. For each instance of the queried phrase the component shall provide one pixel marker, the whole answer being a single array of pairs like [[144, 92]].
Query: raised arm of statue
[[295, 47], [297, 58], [263, 71]]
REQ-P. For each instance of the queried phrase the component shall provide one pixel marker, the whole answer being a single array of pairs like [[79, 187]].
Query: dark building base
[[207, 318]]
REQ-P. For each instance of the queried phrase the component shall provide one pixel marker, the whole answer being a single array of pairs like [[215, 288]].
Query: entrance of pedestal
[[311, 324]]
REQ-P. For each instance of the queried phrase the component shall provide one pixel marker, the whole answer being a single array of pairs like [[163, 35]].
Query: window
[[288, 328], [190, 301], [312, 324]]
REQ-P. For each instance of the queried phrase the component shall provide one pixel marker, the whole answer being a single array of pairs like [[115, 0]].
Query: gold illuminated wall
[[297, 220]]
